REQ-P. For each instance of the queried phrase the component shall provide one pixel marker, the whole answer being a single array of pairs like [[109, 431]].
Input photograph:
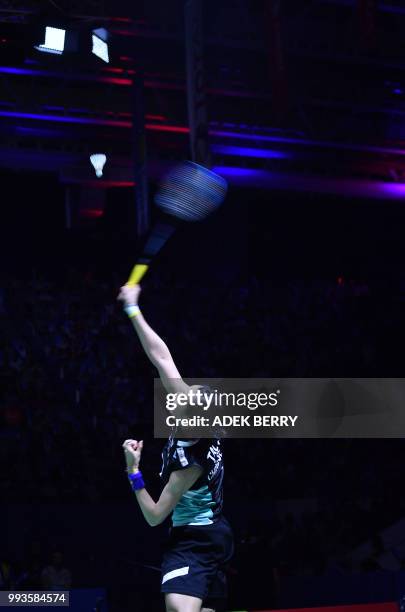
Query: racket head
[[191, 192]]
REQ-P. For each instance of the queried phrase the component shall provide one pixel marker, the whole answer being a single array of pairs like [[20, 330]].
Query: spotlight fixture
[[54, 41], [61, 37], [99, 39]]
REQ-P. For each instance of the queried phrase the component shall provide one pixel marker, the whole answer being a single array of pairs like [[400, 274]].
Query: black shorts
[[194, 560]]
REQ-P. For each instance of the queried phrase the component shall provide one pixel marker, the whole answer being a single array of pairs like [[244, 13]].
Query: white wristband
[[132, 311]]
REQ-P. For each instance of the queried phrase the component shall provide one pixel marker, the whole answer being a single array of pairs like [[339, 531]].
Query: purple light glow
[[353, 188], [393, 190], [308, 143]]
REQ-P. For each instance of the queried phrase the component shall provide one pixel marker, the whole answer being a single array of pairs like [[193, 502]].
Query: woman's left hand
[[133, 451]]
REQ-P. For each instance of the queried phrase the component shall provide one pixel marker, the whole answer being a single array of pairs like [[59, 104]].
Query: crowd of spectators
[[36, 572], [72, 374]]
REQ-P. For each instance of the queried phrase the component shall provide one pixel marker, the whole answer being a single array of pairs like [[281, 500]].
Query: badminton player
[[200, 540]]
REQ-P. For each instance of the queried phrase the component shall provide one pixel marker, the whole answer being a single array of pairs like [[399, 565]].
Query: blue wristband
[[136, 481]]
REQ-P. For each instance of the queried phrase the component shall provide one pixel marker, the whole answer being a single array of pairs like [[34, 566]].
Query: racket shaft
[[158, 237]]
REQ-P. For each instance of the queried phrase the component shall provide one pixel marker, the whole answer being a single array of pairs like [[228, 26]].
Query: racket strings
[[191, 192]]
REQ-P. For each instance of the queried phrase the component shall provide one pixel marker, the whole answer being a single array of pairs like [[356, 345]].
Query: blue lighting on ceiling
[[236, 171], [244, 176], [77, 76], [64, 119], [38, 132], [10, 70], [60, 119], [257, 137], [249, 152]]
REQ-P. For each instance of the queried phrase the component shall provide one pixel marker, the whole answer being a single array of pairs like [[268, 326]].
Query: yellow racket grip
[[137, 274]]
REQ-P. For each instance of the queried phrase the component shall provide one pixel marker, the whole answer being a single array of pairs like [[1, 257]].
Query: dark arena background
[[300, 106]]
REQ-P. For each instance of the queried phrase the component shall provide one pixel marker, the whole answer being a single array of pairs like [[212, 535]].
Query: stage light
[[98, 160], [65, 38], [54, 41], [99, 39]]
